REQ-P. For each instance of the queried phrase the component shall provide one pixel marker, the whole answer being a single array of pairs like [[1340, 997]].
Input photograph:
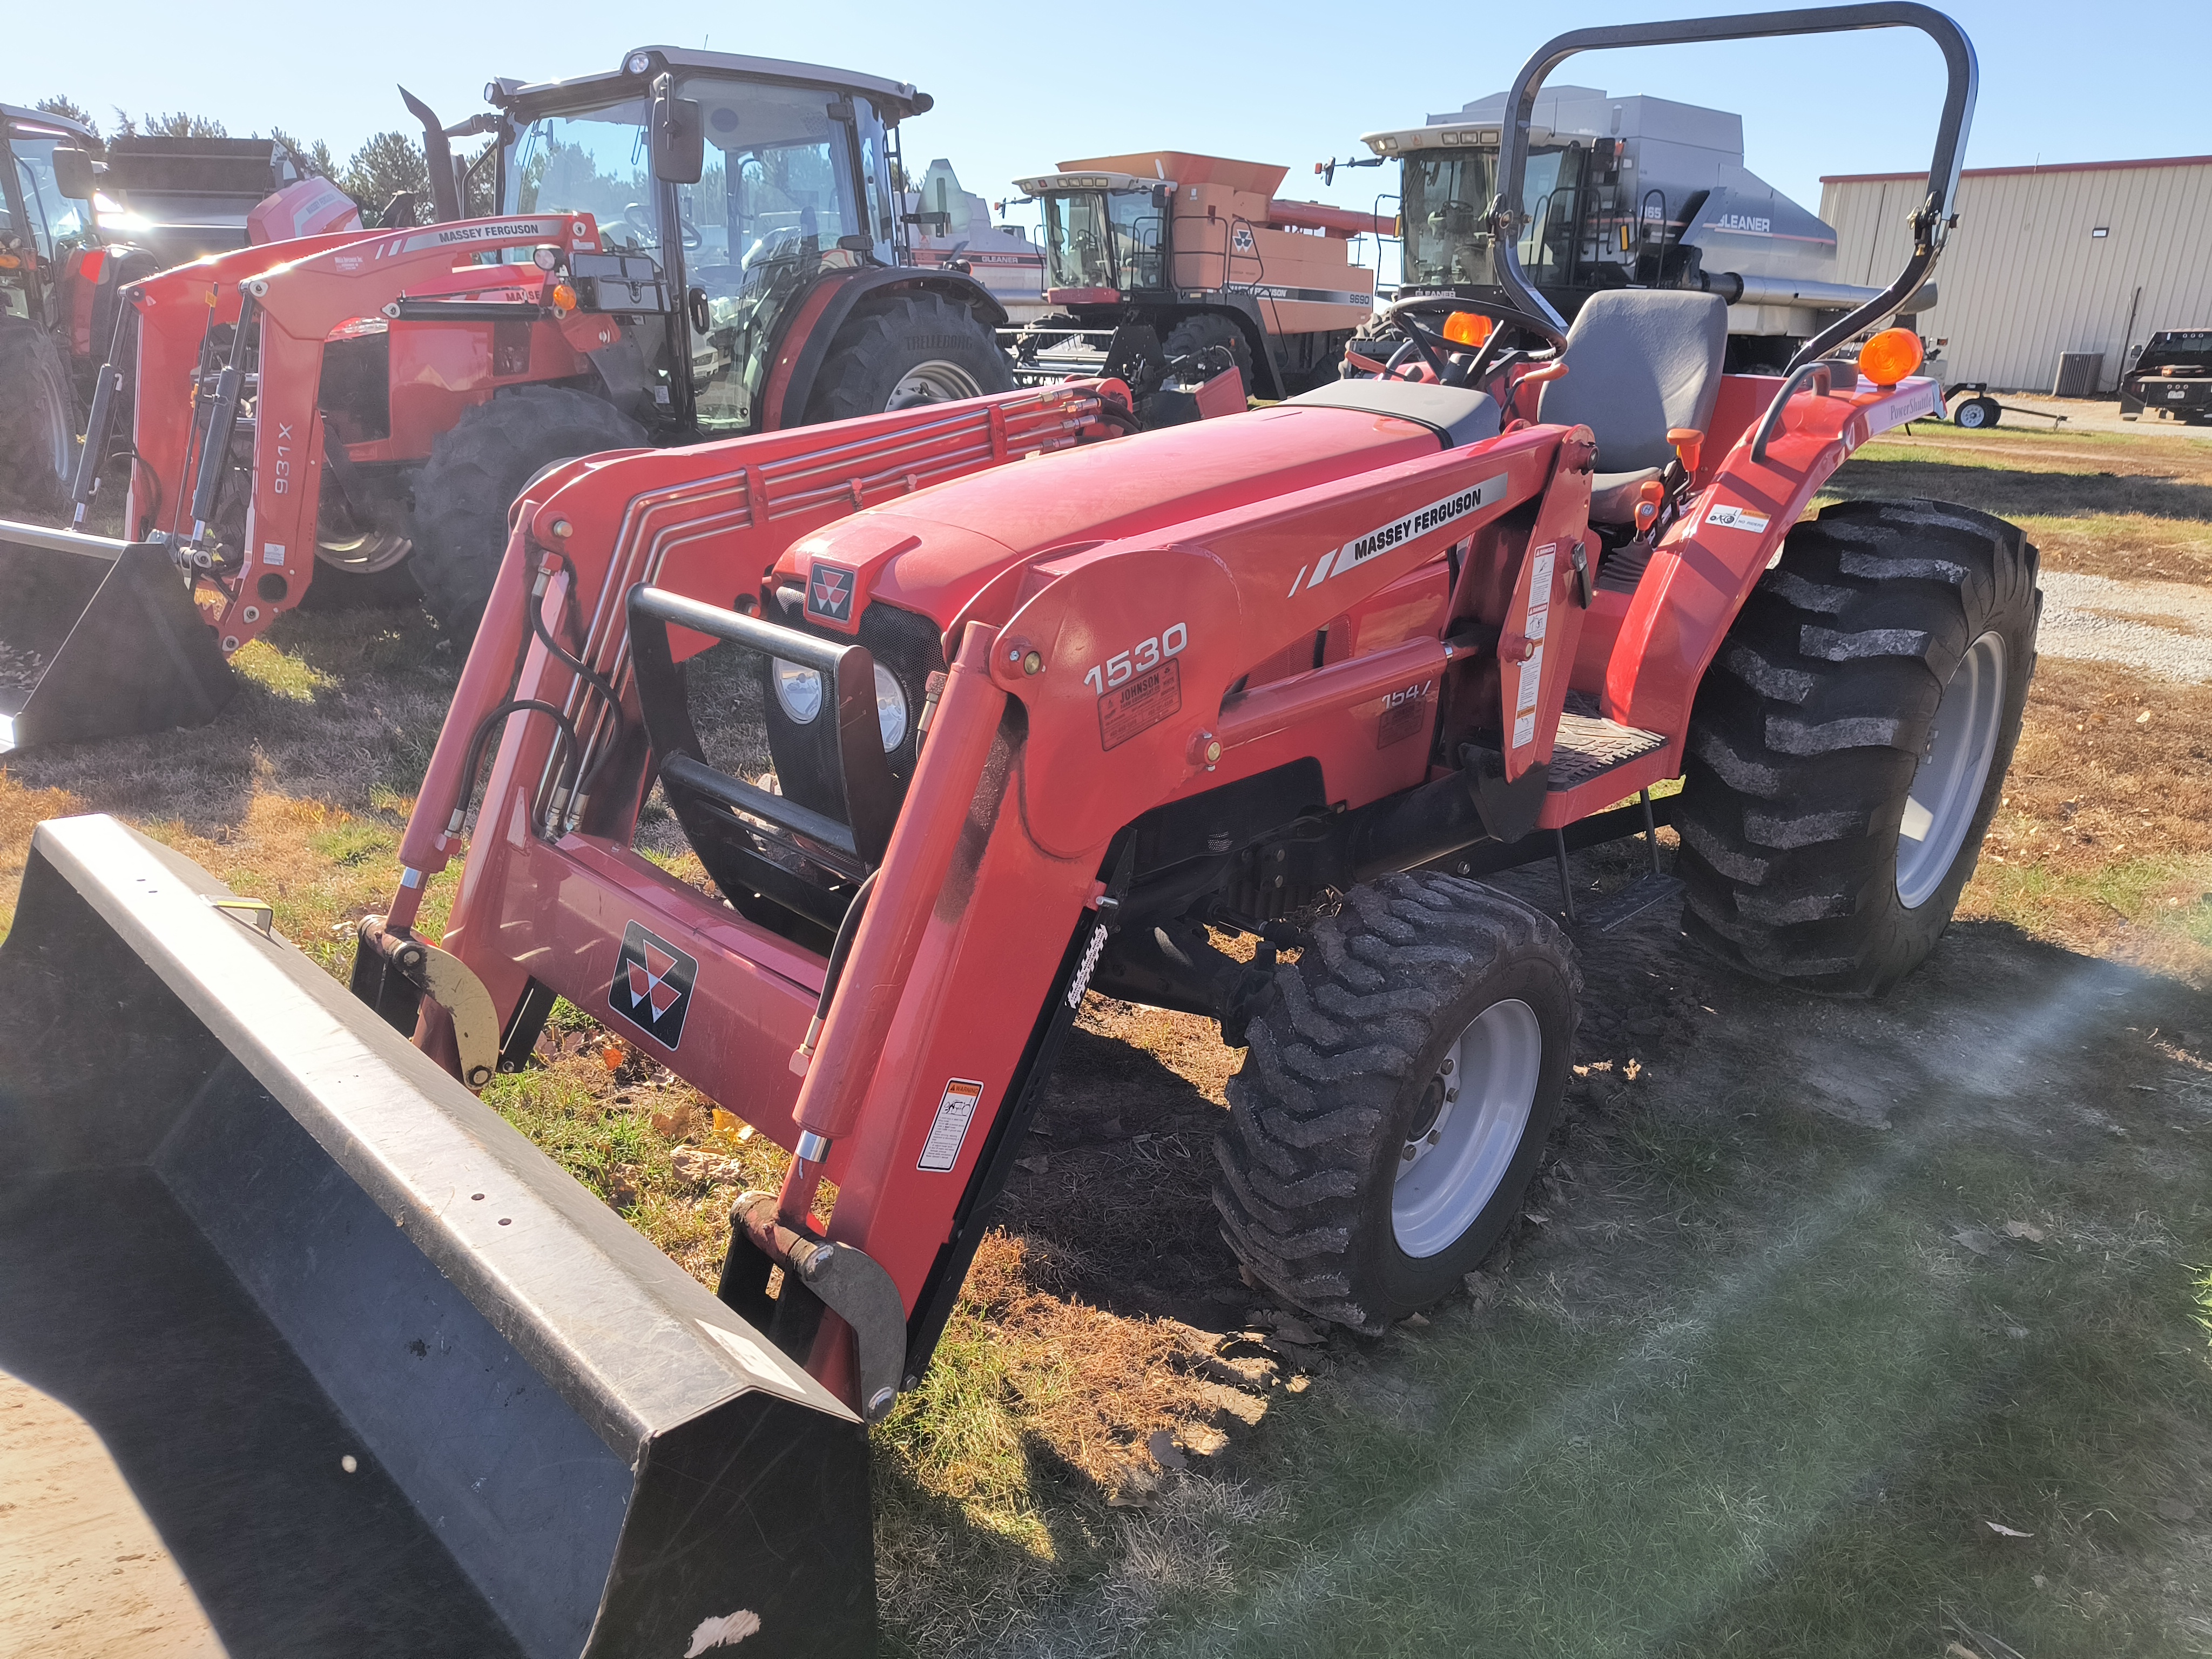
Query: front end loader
[[1303, 675]]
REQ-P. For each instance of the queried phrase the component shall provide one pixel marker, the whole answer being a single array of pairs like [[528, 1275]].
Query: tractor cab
[[41, 224], [1107, 235], [792, 179]]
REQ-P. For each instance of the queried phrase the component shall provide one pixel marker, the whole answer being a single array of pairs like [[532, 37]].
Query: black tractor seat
[[1640, 363]]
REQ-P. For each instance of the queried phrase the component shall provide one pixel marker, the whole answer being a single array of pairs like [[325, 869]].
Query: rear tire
[[475, 470], [37, 421], [1850, 743], [913, 348], [1976, 413], [1332, 1191]]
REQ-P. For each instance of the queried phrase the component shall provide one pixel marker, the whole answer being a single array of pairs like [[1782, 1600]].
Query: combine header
[[1304, 674]]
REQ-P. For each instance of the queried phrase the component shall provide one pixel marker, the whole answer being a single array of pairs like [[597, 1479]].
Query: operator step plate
[[1588, 744]]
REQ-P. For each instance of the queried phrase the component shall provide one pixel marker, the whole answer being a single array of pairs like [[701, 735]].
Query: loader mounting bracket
[[845, 1281], [394, 971]]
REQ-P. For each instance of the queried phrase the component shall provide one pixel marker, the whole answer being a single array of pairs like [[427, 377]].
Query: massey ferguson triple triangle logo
[[830, 593], [653, 985]]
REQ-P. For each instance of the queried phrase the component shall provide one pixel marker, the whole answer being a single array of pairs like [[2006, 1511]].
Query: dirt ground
[[1830, 1328]]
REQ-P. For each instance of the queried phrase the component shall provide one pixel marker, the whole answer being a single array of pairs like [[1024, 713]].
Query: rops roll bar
[[1931, 220]]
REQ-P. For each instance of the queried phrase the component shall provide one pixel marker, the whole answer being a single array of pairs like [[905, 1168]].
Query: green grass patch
[[280, 673]]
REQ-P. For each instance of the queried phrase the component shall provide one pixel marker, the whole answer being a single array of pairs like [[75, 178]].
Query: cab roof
[[895, 100], [38, 117]]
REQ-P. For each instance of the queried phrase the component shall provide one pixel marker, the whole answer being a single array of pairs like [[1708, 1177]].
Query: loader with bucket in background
[[366, 405], [1304, 674]]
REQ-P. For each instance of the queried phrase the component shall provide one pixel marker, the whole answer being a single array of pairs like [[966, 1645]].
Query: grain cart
[[1620, 191], [380, 398], [1305, 674], [1161, 257]]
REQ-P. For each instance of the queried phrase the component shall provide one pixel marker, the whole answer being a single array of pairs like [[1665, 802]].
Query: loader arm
[[298, 305]]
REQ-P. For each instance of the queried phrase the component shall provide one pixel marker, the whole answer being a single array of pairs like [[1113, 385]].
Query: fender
[[827, 305]]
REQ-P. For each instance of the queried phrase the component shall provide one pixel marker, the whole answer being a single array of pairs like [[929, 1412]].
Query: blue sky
[[1019, 87]]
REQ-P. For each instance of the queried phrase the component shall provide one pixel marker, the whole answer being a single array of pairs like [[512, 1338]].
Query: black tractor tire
[[908, 337], [1194, 334], [475, 471], [1811, 855], [1344, 1079], [38, 420]]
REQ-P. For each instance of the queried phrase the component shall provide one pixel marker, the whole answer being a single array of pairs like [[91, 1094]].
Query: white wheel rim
[[933, 382], [1954, 769], [1449, 1173], [366, 554]]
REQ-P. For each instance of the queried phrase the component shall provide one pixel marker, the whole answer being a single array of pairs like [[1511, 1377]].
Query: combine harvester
[[1620, 191], [1301, 673], [354, 403], [1158, 264]]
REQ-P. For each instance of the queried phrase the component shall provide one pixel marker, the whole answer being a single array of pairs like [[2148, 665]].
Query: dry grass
[[2127, 507], [2104, 842]]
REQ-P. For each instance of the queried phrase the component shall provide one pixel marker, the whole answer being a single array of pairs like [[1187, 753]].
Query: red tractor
[[359, 403], [1305, 674]]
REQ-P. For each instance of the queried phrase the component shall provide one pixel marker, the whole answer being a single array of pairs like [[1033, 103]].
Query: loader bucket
[[385, 1378], [99, 638]]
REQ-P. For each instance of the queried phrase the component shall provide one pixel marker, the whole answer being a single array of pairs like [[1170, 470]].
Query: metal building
[[2090, 257]]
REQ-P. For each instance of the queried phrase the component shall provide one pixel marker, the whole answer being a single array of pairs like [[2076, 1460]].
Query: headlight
[[890, 707], [800, 690]]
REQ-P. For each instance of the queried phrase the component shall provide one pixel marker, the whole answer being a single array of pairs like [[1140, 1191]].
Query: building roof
[[2053, 167]]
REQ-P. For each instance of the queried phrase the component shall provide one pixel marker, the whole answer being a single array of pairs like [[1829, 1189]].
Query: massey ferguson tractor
[[76, 230], [1305, 675], [362, 402], [1157, 263]]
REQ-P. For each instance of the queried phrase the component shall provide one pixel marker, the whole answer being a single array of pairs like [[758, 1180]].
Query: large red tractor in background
[[362, 403], [1304, 674], [80, 222]]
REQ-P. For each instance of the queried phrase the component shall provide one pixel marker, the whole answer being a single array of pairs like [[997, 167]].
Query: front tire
[[1195, 334], [1849, 745], [913, 350], [37, 423], [475, 470], [1397, 1098]]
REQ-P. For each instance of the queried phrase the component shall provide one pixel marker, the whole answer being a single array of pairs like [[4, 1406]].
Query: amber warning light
[[1890, 356], [1467, 328]]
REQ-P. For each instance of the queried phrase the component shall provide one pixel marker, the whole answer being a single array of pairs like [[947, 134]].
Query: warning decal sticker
[[1734, 518], [1140, 703], [955, 1111], [652, 983]]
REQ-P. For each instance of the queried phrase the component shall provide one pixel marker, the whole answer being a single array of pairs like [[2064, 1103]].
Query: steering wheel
[[1453, 363], [649, 233], [768, 246]]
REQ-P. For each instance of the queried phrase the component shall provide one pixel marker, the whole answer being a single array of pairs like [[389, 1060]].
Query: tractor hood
[[935, 551]]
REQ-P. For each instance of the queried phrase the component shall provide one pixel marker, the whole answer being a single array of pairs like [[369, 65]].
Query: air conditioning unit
[[2080, 374]]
